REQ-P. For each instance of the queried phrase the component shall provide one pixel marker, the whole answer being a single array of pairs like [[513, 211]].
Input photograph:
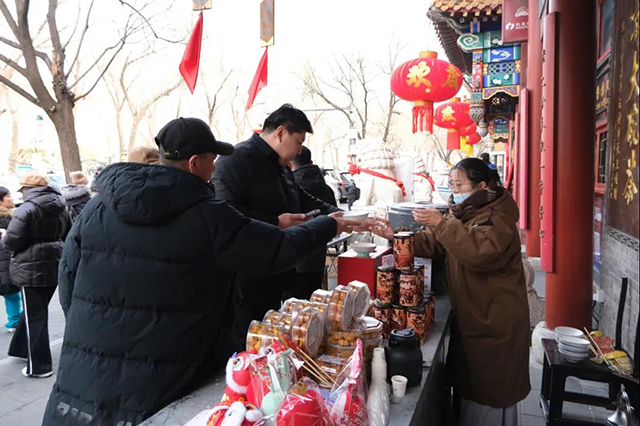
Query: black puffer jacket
[[145, 282], [36, 236], [310, 179], [76, 197], [5, 257]]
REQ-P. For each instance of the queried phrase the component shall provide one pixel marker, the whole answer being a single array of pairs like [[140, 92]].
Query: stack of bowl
[[571, 343]]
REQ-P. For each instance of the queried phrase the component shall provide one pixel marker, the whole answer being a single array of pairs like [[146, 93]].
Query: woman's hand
[[382, 228], [428, 217]]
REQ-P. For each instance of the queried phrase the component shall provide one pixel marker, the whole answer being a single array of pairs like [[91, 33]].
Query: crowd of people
[[164, 261]]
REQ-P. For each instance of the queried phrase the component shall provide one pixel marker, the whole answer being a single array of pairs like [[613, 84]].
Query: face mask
[[459, 198]]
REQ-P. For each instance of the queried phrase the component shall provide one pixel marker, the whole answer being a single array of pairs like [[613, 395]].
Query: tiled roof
[[468, 6]]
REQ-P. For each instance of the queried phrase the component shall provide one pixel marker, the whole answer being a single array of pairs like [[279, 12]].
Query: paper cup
[[399, 387], [378, 356]]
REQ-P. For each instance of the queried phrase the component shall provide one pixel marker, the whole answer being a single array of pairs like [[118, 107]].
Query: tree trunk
[[64, 122], [121, 146], [15, 142], [134, 131]]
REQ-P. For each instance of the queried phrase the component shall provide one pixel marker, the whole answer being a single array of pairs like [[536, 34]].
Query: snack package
[[307, 331], [321, 296], [261, 335], [348, 396], [303, 406], [362, 299], [341, 307]]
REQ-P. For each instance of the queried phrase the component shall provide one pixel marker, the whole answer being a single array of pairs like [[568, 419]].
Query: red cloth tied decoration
[[428, 178], [356, 170]]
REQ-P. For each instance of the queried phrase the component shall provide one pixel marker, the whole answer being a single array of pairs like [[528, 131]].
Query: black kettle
[[404, 356]]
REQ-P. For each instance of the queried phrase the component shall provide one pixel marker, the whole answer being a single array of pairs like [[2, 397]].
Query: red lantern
[[474, 138], [453, 115], [469, 130], [425, 80]]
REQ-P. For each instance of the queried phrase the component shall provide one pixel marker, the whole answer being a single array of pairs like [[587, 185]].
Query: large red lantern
[[453, 115], [423, 81]]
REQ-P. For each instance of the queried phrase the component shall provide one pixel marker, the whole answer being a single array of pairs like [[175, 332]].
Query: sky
[[306, 32]]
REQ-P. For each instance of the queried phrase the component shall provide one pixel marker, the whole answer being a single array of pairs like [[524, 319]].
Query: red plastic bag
[[303, 406], [349, 394]]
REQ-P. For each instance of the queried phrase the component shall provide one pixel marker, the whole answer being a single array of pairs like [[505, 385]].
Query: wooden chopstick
[[315, 376], [308, 361], [592, 341]]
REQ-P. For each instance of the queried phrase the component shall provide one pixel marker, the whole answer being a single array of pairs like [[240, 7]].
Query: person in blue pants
[[10, 292]]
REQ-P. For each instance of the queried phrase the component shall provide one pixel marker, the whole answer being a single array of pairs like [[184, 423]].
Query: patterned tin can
[[398, 319], [403, 250], [411, 287], [386, 284], [417, 319], [382, 312]]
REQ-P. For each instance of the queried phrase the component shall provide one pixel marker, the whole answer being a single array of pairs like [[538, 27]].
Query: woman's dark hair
[[293, 119], [3, 192], [304, 159], [478, 171]]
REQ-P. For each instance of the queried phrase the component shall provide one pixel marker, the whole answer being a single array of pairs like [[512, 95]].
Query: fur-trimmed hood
[[5, 212], [75, 194]]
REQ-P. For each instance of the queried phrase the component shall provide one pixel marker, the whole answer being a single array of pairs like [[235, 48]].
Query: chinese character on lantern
[[454, 116]]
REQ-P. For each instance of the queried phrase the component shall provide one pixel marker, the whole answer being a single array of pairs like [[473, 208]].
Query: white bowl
[[573, 359], [568, 332], [575, 341], [363, 249], [356, 216], [573, 351]]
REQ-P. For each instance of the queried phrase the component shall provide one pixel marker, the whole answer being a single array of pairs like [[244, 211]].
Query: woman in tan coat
[[489, 350]]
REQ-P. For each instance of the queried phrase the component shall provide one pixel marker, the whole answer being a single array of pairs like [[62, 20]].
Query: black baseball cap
[[183, 137]]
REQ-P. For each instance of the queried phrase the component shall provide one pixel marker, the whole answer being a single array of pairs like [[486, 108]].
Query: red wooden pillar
[[534, 76], [569, 267]]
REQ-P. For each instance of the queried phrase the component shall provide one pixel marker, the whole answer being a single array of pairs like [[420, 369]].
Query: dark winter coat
[[310, 179], [489, 349], [145, 283], [253, 181], [36, 236], [6, 287], [76, 197]]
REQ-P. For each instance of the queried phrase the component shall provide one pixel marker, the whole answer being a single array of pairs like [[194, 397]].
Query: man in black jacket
[[145, 282], [310, 272], [35, 236], [257, 181]]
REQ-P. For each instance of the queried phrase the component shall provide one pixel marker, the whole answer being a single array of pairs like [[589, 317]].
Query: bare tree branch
[[212, 102], [10, 84], [13, 65], [57, 68], [124, 3], [17, 46], [101, 74], [75, 27], [10, 21], [81, 41], [119, 44]]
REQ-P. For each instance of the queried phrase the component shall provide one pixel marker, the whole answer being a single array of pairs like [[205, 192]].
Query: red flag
[[259, 80], [191, 59]]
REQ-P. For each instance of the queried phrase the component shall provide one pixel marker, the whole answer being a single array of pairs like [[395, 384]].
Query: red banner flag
[[259, 80], [191, 59]]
